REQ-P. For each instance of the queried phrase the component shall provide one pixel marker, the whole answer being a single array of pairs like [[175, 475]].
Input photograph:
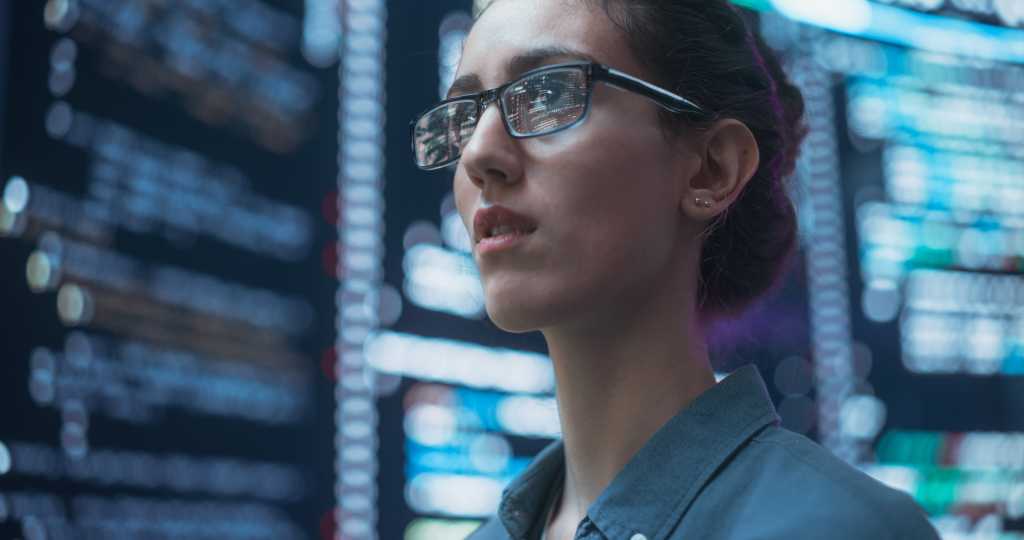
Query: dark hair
[[703, 49]]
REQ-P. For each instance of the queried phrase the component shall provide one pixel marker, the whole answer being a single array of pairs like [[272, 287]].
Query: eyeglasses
[[541, 102]]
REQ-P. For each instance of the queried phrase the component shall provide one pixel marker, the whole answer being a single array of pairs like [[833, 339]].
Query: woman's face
[[605, 195]]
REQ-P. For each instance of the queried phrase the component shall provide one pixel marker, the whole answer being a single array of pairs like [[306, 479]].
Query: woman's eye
[[552, 94], [547, 96]]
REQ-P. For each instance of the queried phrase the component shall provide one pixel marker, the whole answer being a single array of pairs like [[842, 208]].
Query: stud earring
[[703, 202]]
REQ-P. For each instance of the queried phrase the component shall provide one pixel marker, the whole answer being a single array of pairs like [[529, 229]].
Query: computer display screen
[[165, 304]]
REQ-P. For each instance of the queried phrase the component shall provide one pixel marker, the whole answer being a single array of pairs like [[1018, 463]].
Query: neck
[[616, 386]]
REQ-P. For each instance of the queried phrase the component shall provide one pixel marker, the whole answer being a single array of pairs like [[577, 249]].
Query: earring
[[703, 202]]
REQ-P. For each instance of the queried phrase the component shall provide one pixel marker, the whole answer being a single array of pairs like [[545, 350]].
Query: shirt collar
[[659, 483], [522, 502]]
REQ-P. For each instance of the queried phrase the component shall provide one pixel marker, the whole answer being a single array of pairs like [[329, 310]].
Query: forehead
[[511, 28]]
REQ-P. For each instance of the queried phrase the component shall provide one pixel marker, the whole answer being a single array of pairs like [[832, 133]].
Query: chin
[[516, 307], [520, 311], [533, 304], [515, 319]]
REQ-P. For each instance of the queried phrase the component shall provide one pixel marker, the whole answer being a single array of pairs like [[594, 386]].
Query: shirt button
[[638, 536]]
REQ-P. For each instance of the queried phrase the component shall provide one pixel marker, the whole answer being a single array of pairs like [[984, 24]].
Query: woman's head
[[703, 49], [613, 199]]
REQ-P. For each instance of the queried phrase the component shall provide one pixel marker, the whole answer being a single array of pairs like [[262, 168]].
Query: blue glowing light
[[907, 28]]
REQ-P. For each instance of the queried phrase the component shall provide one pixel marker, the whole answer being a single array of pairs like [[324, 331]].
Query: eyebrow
[[516, 66]]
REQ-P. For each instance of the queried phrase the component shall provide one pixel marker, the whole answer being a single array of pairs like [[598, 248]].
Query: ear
[[729, 158]]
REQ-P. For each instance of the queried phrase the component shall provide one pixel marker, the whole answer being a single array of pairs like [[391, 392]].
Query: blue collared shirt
[[720, 469]]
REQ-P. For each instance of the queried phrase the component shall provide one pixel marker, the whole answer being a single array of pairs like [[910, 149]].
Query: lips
[[498, 217]]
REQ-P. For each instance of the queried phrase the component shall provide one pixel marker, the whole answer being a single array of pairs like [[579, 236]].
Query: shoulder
[[492, 529], [795, 476]]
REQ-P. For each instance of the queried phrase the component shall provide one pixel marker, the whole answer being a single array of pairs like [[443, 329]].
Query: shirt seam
[[849, 489]]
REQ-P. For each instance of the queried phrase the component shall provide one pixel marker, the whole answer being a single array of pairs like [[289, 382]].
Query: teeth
[[500, 230]]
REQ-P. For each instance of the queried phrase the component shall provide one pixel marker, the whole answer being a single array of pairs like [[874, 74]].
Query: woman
[[619, 168]]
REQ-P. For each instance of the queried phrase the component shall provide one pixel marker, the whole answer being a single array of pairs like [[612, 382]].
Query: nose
[[491, 155]]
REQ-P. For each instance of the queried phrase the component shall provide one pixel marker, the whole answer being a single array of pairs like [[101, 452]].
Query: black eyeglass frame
[[593, 72]]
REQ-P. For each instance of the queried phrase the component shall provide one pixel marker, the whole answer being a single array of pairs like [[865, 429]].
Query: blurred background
[[233, 308]]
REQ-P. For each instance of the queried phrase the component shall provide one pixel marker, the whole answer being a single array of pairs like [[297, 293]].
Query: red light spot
[[327, 364], [329, 207], [329, 524], [329, 257]]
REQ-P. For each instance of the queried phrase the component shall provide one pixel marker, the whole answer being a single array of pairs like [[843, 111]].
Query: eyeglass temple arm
[[673, 102]]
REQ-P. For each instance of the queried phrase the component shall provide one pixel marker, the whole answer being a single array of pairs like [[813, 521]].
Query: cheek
[[610, 238], [612, 200], [614, 197], [463, 191]]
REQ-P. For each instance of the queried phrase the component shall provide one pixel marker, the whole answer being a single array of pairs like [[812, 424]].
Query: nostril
[[476, 180], [497, 174]]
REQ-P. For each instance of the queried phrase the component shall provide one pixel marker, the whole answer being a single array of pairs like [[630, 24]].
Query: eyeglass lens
[[535, 105], [439, 134], [546, 101]]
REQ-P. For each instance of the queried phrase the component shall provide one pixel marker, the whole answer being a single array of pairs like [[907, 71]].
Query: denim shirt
[[720, 469]]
